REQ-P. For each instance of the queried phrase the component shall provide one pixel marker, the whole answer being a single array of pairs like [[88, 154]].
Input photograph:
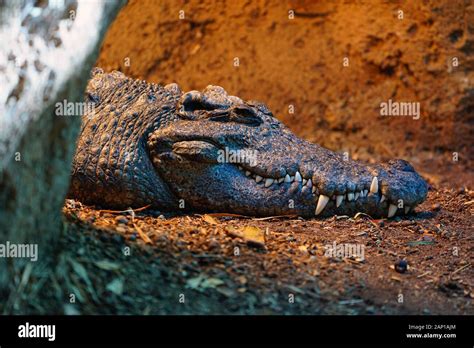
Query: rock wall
[[46, 55]]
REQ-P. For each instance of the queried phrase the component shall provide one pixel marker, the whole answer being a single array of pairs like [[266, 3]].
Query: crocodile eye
[[193, 104], [245, 114]]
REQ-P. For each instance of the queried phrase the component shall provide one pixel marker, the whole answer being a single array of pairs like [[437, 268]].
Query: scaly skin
[[147, 144]]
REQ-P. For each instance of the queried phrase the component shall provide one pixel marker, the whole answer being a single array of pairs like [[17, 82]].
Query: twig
[[143, 236], [422, 275], [124, 211], [461, 269], [276, 217]]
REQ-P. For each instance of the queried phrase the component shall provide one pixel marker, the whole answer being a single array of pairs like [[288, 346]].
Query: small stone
[[121, 229], [436, 207], [133, 237], [121, 219], [401, 266]]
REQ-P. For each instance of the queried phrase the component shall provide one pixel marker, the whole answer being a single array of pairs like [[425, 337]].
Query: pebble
[[401, 266], [121, 219], [436, 207], [121, 229], [133, 237]]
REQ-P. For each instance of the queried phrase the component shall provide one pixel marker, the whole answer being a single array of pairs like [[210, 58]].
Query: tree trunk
[[46, 56]]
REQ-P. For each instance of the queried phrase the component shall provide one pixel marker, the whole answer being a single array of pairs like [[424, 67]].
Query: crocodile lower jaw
[[321, 200]]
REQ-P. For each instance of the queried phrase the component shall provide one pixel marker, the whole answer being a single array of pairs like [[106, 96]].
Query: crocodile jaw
[[289, 176]]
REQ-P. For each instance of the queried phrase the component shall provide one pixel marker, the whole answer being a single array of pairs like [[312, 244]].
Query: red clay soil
[[295, 63], [287, 272]]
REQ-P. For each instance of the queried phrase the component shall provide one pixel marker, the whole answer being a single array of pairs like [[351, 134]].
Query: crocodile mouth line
[[321, 200]]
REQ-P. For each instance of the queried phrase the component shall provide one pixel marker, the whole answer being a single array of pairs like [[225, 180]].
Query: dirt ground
[[146, 261]]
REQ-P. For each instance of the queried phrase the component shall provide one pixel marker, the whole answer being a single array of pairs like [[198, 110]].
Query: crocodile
[[143, 144]]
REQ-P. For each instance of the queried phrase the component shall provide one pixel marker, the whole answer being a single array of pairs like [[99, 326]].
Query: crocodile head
[[224, 154]]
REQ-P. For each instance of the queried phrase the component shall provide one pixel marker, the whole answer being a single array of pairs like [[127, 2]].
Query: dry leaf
[[251, 234], [303, 248], [116, 286], [202, 282], [210, 220], [107, 265]]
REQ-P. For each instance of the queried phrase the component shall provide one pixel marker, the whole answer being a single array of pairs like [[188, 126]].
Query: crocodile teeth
[[322, 201], [258, 178], [268, 182], [339, 199], [304, 181], [374, 186], [281, 180], [292, 178], [366, 192], [309, 183], [314, 189], [350, 196], [247, 173], [407, 209], [362, 193], [287, 178], [382, 199], [356, 196], [298, 177], [392, 209], [240, 168]]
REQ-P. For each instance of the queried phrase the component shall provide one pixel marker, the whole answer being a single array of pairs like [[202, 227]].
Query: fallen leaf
[[303, 248], [251, 234], [116, 286], [211, 283], [107, 265], [193, 283], [210, 220], [202, 282], [80, 271]]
